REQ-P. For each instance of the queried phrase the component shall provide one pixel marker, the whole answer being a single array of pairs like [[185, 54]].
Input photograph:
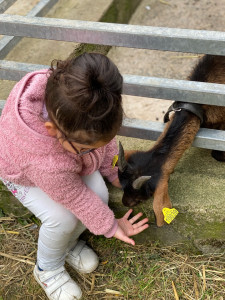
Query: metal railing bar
[[14, 71], [132, 36], [173, 89], [153, 87], [149, 130], [42, 8], [5, 4], [2, 104], [8, 42]]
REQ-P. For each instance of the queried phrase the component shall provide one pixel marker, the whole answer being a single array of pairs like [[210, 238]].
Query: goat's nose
[[128, 202]]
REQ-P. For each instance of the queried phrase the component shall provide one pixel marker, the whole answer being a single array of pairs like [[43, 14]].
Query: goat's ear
[[122, 163], [137, 184], [128, 153]]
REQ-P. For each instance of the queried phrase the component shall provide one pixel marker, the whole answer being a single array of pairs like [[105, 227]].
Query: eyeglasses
[[82, 151], [78, 152]]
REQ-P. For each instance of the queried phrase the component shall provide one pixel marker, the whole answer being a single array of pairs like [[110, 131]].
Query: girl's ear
[[51, 128]]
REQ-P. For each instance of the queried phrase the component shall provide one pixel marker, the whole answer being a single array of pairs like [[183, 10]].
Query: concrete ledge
[[197, 189]]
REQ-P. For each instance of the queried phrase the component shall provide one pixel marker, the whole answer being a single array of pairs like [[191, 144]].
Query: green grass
[[145, 271]]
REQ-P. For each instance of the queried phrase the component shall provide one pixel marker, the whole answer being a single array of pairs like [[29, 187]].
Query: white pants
[[60, 228]]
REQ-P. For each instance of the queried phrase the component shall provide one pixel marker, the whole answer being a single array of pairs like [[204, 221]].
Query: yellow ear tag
[[169, 214], [114, 161]]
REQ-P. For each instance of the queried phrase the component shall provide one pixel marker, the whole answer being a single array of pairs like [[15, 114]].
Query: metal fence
[[15, 27]]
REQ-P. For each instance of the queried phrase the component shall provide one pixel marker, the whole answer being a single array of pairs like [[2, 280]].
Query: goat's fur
[[178, 135]]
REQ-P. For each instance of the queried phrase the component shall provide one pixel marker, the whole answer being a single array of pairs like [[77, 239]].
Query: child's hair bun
[[82, 90], [96, 83]]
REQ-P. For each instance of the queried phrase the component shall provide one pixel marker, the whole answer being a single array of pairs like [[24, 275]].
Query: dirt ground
[[187, 14]]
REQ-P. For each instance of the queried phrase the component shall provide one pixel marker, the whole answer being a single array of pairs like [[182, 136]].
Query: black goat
[[143, 174]]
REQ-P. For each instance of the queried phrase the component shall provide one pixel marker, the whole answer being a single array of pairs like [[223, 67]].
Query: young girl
[[57, 137]]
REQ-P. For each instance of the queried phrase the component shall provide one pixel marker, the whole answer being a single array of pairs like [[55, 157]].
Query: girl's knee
[[62, 220]]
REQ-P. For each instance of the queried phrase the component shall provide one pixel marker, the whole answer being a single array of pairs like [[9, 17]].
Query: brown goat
[[143, 174]]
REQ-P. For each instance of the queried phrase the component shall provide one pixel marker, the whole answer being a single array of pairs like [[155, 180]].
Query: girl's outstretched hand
[[128, 228]]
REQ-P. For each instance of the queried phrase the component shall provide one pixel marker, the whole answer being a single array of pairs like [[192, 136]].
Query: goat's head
[[135, 178]]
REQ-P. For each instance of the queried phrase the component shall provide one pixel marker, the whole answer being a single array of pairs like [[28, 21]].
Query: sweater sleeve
[[69, 190], [106, 168]]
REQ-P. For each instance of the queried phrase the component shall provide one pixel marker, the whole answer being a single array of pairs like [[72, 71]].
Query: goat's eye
[[124, 182]]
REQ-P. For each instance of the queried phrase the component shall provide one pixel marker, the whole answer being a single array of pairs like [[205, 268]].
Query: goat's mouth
[[130, 202]]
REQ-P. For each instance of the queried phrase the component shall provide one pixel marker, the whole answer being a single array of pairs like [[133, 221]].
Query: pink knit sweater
[[30, 157]]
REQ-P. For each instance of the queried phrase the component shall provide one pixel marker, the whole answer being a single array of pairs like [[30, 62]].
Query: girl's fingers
[[140, 229], [139, 224], [135, 218], [127, 240], [130, 241], [127, 214]]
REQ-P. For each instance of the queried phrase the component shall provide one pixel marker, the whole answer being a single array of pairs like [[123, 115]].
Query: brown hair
[[83, 98]]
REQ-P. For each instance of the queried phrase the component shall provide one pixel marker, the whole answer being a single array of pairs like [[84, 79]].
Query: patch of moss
[[120, 11], [9, 204]]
